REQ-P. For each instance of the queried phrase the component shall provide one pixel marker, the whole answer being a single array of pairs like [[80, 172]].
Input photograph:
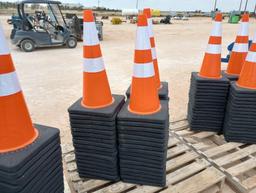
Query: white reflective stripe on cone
[[150, 28], [251, 57], [90, 36], [217, 29], [154, 53], [9, 84], [244, 29], [94, 64], [4, 49], [240, 47], [142, 39], [213, 49], [145, 70]]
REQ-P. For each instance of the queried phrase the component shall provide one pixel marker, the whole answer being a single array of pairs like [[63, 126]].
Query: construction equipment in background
[[134, 20], [40, 23], [131, 15], [234, 17], [155, 21], [75, 24], [166, 20], [156, 13], [105, 17], [116, 21]]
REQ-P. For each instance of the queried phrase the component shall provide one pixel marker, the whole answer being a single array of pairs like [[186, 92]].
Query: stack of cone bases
[[143, 121], [162, 87], [93, 118], [208, 89], [240, 120], [239, 50], [30, 157]]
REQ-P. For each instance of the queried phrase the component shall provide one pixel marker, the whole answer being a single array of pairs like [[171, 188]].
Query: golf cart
[[40, 23]]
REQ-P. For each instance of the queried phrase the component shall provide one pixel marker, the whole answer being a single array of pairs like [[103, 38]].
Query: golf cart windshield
[[55, 14], [48, 13]]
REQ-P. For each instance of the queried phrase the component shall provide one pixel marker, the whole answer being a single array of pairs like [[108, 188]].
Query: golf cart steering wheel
[[59, 28]]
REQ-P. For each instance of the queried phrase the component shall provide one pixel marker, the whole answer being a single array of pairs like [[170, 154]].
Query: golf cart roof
[[40, 1]]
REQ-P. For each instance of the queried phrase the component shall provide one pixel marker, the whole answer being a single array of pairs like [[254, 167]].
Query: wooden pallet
[[187, 172], [236, 160]]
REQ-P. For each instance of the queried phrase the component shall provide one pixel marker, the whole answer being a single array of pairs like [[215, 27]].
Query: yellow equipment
[[156, 12], [116, 21]]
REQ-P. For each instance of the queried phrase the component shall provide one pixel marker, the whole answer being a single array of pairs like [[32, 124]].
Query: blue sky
[[174, 5]]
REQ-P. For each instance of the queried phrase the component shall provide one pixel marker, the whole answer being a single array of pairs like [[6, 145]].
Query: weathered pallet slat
[[242, 167], [236, 160], [198, 182]]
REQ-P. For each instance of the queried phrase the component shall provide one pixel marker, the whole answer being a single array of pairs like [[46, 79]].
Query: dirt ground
[[52, 78]]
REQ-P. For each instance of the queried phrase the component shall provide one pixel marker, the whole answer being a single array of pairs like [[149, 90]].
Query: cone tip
[[142, 20], [245, 17], [147, 12], [218, 16], [88, 16]]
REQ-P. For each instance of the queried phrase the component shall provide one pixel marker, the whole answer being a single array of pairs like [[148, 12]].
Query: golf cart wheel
[[71, 42], [27, 45]]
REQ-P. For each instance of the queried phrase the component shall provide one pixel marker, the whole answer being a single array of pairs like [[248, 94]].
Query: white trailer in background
[[130, 12]]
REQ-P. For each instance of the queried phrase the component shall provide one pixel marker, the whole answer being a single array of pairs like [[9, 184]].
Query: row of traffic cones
[[30, 154], [240, 119], [107, 130], [211, 67], [215, 101]]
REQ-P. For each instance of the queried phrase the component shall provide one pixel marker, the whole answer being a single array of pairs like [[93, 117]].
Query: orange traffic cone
[[147, 12], [247, 77], [211, 67], [240, 48], [16, 128], [96, 91], [144, 95]]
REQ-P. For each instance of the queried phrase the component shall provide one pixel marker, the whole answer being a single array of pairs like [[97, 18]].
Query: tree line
[[8, 5]]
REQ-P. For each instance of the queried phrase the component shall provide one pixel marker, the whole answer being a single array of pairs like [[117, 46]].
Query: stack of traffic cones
[[30, 156], [240, 120], [162, 87], [208, 89], [239, 50], [93, 118], [143, 121]]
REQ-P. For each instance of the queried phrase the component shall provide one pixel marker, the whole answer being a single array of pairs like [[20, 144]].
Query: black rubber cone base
[[229, 76], [143, 145], [163, 92], [95, 139], [207, 103], [240, 119], [30, 169], [157, 118], [106, 112], [204, 81]]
